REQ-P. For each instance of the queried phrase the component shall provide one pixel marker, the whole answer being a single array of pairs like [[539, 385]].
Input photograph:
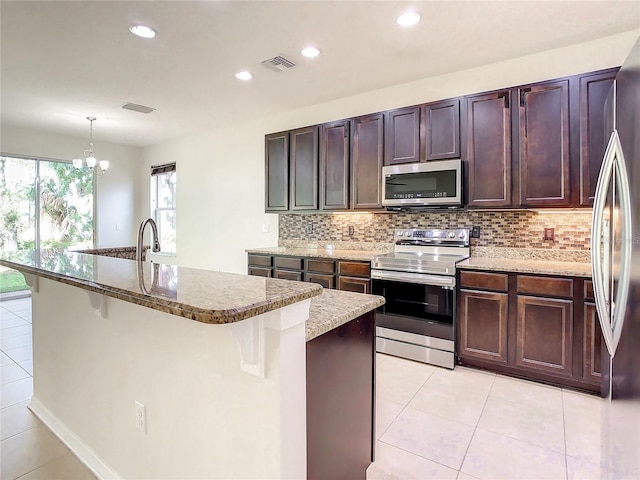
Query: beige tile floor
[[432, 423]]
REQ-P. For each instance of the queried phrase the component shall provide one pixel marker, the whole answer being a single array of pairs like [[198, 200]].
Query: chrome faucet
[[154, 230]]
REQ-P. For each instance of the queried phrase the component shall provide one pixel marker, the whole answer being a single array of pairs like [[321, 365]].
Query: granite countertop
[[335, 307], [521, 265], [201, 295], [336, 254]]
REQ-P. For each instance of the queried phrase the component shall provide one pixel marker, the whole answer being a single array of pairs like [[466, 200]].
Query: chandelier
[[89, 157]]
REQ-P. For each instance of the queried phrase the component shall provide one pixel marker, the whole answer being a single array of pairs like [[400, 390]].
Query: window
[[43, 204], [163, 204]]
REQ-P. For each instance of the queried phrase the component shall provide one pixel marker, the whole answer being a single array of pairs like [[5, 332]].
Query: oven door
[[416, 322], [420, 304]]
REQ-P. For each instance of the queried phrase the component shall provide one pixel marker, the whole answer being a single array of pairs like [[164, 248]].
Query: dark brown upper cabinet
[[441, 123], [277, 172], [544, 156], [303, 184], [334, 165], [488, 149], [402, 136], [366, 162], [595, 88]]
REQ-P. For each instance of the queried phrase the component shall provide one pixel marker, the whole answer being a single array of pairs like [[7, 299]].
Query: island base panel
[[341, 401]]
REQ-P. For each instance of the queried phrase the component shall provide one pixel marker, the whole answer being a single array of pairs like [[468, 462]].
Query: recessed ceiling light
[[408, 19], [244, 76], [143, 31], [310, 52]]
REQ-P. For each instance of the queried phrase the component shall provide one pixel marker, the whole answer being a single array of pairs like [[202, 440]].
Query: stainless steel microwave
[[430, 184]]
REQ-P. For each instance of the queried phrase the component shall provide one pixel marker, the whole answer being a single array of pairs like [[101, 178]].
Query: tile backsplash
[[513, 229]]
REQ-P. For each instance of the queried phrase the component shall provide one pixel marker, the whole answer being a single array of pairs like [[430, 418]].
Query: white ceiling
[[62, 61]]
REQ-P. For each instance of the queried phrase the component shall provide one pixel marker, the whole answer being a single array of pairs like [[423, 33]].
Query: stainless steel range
[[418, 282]]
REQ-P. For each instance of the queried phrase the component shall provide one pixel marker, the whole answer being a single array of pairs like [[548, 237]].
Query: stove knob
[[452, 235], [400, 234], [408, 233], [461, 235]]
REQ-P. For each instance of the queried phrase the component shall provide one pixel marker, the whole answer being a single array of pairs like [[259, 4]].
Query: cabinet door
[[287, 275], [260, 271], [334, 166], [482, 325], [442, 129], [592, 345], [594, 134], [304, 169], [276, 172], [352, 284], [367, 156], [326, 280], [488, 131], [544, 334], [402, 136], [543, 120]]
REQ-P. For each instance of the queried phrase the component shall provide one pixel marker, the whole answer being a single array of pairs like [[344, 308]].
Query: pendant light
[[89, 157]]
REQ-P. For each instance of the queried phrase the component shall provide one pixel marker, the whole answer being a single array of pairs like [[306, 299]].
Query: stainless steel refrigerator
[[615, 259]]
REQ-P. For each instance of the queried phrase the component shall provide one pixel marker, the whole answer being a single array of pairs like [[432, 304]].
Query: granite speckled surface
[[335, 307], [359, 255], [117, 252], [523, 265], [201, 295], [579, 256]]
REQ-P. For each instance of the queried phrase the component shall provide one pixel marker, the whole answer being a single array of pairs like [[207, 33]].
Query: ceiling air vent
[[137, 108], [279, 64]]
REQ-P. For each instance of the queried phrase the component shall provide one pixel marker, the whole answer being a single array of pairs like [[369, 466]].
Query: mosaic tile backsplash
[[513, 229]]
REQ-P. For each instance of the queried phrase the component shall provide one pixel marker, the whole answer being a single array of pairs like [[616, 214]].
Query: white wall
[[206, 417], [116, 192], [220, 173]]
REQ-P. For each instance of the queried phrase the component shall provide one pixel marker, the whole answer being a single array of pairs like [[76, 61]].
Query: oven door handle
[[421, 278]]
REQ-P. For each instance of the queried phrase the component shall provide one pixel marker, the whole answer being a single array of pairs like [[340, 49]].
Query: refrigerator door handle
[[599, 284], [624, 195], [611, 315]]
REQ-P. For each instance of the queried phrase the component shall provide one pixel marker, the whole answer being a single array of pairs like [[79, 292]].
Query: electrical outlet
[[141, 417], [475, 231], [309, 227], [117, 226], [351, 229], [548, 234]]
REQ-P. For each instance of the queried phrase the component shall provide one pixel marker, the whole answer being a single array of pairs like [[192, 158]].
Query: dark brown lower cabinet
[[483, 325], [287, 275], [592, 345], [341, 401], [353, 284], [260, 271], [544, 334], [538, 327], [349, 275]]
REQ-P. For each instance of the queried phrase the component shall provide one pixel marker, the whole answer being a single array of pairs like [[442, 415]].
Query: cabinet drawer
[[260, 272], [288, 275], [553, 287], [260, 260], [354, 269], [293, 263], [321, 266], [484, 280], [588, 290], [351, 284], [327, 281]]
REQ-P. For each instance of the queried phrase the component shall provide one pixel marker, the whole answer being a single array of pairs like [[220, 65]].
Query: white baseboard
[[87, 456]]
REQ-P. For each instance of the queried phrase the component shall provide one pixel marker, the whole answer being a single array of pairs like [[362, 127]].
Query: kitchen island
[[157, 371]]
